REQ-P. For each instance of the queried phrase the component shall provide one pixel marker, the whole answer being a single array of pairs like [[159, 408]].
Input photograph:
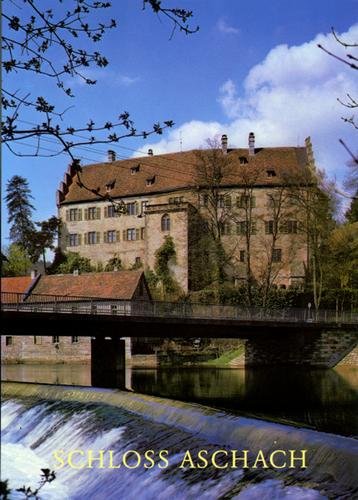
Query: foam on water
[[41, 419]]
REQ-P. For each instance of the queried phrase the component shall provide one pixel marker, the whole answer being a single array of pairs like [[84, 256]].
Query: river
[[179, 410]]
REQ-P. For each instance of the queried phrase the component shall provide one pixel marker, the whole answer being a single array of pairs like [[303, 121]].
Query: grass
[[225, 358]]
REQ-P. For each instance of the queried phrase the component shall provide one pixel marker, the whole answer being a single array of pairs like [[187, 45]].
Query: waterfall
[[39, 419]]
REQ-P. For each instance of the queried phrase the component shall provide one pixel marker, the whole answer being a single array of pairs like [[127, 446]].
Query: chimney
[[76, 272], [150, 152], [33, 274], [111, 155], [251, 144], [224, 144]]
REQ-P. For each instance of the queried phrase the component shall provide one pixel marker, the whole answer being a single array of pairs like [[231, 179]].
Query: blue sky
[[253, 65]]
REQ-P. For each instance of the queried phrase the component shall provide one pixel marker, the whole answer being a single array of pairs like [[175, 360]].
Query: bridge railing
[[108, 306]]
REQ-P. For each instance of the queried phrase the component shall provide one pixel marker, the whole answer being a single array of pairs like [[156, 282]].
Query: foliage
[[47, 476], [71, 262], [162, 276], [18, 261], [349, 102], [352, 212], [114, 263], [18, 196], [44, 238], [51, 45]]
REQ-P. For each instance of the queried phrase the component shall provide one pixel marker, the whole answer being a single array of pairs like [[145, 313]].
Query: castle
[[240, 200]]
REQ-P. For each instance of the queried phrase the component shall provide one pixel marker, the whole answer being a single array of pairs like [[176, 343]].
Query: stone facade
[[324, 350], [173, 201], [45, 349]]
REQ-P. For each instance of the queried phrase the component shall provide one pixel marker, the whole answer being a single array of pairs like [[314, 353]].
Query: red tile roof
[[17, 284], [114, 285], [175, 171]]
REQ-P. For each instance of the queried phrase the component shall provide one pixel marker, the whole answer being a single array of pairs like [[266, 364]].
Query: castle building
[[241, 200]]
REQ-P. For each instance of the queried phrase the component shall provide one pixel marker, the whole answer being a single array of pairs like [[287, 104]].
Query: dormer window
[[150, 181], [270, 172], [110, 185], [243, 160], [135, 170]]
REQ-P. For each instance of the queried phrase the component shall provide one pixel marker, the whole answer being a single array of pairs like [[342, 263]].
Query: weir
[[43, 418]]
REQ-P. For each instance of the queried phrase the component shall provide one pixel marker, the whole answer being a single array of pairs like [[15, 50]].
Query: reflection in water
[[322, 399], [67, 374]]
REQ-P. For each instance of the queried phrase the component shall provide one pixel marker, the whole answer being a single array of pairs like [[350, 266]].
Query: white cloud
[[107, 76], [223, 26], [291, 94]]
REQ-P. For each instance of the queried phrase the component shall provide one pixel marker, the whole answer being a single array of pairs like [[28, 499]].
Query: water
[[39, 419], [324, 400]]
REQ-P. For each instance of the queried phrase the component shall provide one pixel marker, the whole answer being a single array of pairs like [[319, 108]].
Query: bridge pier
[[323, 349], [108, 362]]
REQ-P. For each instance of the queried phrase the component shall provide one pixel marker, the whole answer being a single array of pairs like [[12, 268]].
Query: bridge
[[290, 336]]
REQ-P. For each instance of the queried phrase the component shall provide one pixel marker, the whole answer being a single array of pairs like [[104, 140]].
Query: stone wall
[[323, 350], [45, 349]]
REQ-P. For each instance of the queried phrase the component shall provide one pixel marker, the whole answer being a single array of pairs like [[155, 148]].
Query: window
[[176, 200], [74, 214], [150, 181], [221, 201], [142, 233], [289, 227], [55, 339], [135, 170], [270, 227], [225, 228], [131, 208], [131, 234], [92, 238], [110, 185], [110, 211], [271, 172], [165, 223], [243, 160], [276, 255], [242, 255], [74, 239], [227, 201], [92, 213], [74, 339], [138, 261], [204, 200], [111, 236], [246, 201], [8, 341], [144, 206], [37, 340], [242, 227]]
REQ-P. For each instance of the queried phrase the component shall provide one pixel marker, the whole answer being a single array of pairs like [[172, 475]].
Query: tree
[[352, 212], [72, 261], [113, 264], [315, 199], [44, 238], [20, 211], [215, 207], [49, 44], [39, 42], [350, 102], [18, 261]]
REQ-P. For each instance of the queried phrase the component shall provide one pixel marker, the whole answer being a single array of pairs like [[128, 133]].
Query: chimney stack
[[76, 272], [150, 152], [33, 274], [224, 144], [111, 155], [251, 144]]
